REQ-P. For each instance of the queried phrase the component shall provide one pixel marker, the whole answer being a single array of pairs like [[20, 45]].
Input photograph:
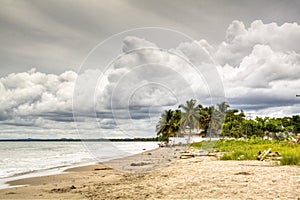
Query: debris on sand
[[139, 164], [103, 168], [268, 155], [243, 173], [64, 189]]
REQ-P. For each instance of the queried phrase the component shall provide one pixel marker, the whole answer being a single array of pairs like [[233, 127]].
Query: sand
[[161, 174]]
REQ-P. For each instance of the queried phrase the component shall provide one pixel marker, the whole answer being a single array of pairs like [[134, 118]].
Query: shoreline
[[132, 163], [58, 169], [199, 177], [38, 173]]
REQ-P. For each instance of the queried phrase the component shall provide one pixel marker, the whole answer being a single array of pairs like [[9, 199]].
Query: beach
[[162, 174]]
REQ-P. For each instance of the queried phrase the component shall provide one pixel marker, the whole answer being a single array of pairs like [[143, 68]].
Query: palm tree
[[215, 120], [168, 125], [217, 117], [223, 107], [190, 116], [176, 122], [204, 117]]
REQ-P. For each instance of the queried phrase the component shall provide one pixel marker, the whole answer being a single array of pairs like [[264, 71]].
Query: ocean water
[[29, 159]]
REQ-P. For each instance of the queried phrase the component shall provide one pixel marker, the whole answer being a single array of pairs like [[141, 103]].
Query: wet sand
[[160, 174]]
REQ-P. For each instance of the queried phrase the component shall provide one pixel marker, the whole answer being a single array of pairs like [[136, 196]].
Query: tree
[[286, 121], [190, 116], [262, 122], [274, 125], [235, 123], [222, 107], [168, 125], [231, 122], [296, 123], [204, 117], [216, 121], [176, 122], [217, 118]]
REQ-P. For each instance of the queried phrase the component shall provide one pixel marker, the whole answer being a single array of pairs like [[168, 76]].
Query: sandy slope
[[172, 178]]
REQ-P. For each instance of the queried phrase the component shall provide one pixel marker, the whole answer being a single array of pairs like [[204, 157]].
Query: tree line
[[237, 125], [214, 121]]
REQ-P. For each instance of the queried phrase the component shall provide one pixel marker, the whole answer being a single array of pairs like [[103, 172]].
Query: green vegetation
[[169, 125], [217, 121], [190, 116], [190, 119], [220, 121], [247, 149], [236, 125]]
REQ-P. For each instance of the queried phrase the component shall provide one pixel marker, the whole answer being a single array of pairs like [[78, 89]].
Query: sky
[[92, 69]]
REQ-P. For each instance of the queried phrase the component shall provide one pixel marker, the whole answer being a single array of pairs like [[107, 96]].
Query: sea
[[30, 159]]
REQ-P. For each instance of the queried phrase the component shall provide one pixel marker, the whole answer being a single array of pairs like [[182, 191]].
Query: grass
[[240, 149]]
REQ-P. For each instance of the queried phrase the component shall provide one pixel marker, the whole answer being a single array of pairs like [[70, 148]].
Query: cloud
[[263, 67], [240, 40], [259, 67], [107, 123], [55, 37], [32, 93], [136, 89], [132, 43], [146, 75]]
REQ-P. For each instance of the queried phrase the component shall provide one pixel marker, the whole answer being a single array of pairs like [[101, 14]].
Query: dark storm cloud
[[207, 19], [104, 115], [60, 116], [55, 36], [262, 102], [18, 124]]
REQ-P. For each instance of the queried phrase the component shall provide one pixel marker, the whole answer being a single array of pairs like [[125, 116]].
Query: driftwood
[[268, 154], [185, 156], [264, 154], [162, 144], [63, 190], [243, 173]]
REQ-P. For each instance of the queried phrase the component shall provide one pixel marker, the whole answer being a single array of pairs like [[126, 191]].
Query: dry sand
[[160, 174]]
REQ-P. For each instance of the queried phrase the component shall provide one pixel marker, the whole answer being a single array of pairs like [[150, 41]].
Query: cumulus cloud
[[33, 93], [145, 75], [240, 40], [263, 67], [259, 67]]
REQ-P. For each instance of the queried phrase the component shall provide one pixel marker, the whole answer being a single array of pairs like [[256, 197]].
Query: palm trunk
[[189, 140]]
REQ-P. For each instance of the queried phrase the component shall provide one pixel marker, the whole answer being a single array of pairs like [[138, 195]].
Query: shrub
[[244, 149]]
